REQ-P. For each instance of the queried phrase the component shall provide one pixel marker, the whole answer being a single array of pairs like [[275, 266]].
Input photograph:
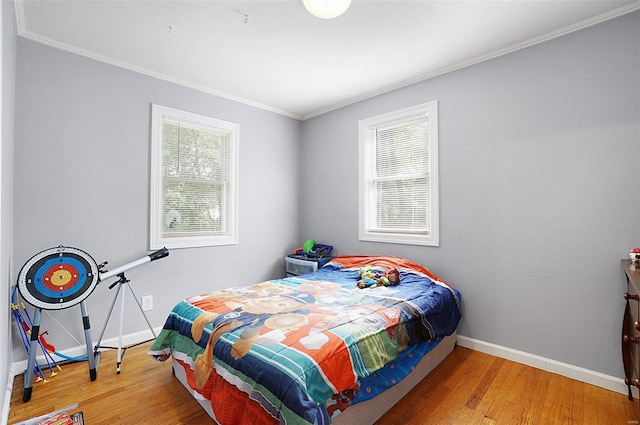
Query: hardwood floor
[[469, 387]]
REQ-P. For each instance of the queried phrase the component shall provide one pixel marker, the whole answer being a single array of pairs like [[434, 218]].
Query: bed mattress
[[301, 350]]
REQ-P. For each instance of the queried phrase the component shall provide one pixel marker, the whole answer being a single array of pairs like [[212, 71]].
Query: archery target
[[58, 278]]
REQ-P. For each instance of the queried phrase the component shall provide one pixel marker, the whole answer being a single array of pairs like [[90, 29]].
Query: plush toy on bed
[[367, 277], [370, 277]]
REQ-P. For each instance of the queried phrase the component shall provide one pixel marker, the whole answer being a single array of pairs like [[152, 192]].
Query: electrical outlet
[[147, 303]]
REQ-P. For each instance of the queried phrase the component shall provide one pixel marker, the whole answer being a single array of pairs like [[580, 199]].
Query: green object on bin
[[308, 246]]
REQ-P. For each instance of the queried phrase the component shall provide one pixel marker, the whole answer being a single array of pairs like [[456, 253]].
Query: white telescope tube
[[146, 259]]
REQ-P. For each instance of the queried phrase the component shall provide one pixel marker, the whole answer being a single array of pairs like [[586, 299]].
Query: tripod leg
[[87, 338], [123, 281], [28, 374], [119, 361], [135, 297], [106, 322]]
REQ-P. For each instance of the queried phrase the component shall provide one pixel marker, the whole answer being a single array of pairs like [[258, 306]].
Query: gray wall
[[539, 200], [8, 52], [82, 180], [539, 191]]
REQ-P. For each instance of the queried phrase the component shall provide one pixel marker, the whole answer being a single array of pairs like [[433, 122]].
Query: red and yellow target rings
[[59, 276]]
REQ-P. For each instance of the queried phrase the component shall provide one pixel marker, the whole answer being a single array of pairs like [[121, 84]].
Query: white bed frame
[[366, 412]]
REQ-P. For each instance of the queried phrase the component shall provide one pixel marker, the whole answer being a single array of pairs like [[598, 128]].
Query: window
[[194, 170], [398, 184]]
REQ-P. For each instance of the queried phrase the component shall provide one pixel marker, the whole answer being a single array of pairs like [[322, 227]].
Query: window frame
[[366, 137], [156, 211]]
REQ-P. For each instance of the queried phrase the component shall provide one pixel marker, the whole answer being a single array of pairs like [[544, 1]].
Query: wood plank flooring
[[469, 387]]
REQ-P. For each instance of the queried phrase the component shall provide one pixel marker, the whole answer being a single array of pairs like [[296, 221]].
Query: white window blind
[[193, 177], [398, 176]]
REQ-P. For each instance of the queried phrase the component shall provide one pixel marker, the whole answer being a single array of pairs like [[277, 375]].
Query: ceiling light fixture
[[326, 9]]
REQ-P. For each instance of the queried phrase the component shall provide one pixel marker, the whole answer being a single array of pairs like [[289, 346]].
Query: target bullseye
[[61, 277], [58, 278]]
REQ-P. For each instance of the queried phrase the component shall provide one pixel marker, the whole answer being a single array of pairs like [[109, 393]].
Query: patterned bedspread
[[299, 350]]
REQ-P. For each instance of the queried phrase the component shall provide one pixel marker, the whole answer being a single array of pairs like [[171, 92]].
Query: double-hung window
[[398, 176], [194, 173]]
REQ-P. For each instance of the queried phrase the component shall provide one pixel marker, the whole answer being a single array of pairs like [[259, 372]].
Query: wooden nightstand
[[631, 326]]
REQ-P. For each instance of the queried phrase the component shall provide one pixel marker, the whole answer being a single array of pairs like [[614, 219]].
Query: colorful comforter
[[299, 350]]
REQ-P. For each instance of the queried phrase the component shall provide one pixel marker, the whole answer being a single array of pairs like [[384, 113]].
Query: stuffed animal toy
[[368, 277], [390, 278], [371, 278]]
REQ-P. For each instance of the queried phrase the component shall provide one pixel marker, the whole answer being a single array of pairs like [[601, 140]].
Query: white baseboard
[[574, 372], [4, 417], [570, 371], [81, 351]]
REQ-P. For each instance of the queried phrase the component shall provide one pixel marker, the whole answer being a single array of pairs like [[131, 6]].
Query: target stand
[[55, 279]]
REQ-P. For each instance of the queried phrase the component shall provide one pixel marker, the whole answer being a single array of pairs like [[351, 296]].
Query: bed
[[312, 349]]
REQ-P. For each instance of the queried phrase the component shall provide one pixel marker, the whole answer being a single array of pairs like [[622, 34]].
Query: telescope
[[161, 253], [121, 282]]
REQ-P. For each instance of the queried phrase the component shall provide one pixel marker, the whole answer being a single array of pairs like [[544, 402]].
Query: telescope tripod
[[121, 283]]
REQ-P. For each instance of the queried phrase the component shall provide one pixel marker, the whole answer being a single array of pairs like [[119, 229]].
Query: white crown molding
[[19, 9], [23, 32], [150, 73], [623, 10]]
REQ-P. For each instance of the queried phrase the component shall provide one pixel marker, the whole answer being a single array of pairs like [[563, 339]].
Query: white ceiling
[[281, 58]]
